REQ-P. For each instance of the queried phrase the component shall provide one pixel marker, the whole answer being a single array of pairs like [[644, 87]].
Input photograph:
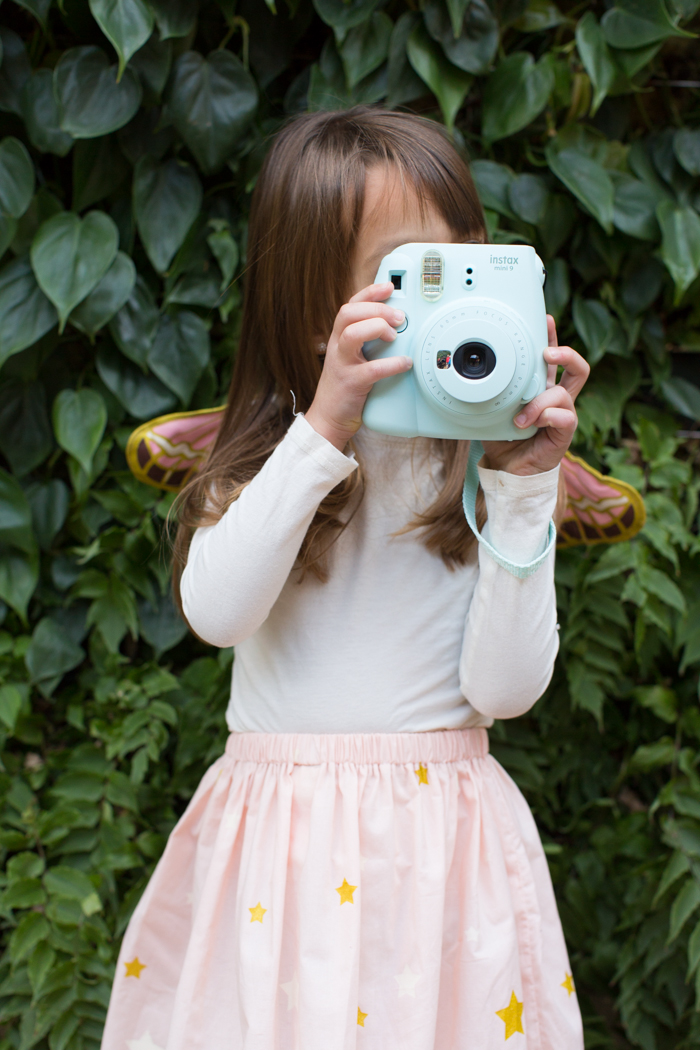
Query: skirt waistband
[[310, 749]]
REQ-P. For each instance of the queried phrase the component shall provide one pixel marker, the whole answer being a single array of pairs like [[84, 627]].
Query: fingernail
[[399, 316], [409, 362], [521, 419]]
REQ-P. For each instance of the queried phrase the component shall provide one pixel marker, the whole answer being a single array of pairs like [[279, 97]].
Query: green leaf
[[365, 48], [40, 965], [26, 438], [634, 207], [167, 199], [457, 10], [345, 14], [224, 249], [106, 298], [636, 23], [600, 331], [19, 575], [196, 289], [596, 57], [16, 178], [79, 421], [528, 196], [686, 146], [40, 112], [493, 182], [539, 16], [51, 654], [14, 71], [25, 312], [180, 352], [10, 705], [71, 255], [15, 515], [403, 84], [30, 931], [161, 624], [68, 882], [680, 244], [474, 47], [134, 327], [49, 502], [90, 100], [587, 180], [143, 396], [687, 901], [653, 756], [449, 85], [658, 699], [99, 167], [212, 101], [515, 94], [42, 207], [152, 63], [658, 583], [127, 24], [557, 289], [683, 395], [174, 18], [39, 8]]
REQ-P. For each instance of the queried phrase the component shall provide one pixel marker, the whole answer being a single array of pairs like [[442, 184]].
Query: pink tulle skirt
[[333, 892]]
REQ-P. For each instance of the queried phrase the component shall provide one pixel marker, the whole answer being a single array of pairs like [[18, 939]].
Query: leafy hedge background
[[131, 132]]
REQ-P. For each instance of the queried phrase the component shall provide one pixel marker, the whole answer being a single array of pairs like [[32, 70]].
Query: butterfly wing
[[599, 509], [167, 451]]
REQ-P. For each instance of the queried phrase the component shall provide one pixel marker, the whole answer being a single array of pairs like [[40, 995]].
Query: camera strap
[[471, 487]]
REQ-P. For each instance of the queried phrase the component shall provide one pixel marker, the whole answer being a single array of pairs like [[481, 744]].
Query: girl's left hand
[[552, 411]]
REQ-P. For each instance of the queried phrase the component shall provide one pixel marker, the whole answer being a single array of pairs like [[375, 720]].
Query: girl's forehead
[[393, 215]]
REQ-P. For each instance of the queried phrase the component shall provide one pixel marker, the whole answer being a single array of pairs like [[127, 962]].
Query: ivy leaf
[[680, 244], [106, 298], [99, 167], [174, 18], [19, 575], [212, 101], [79, 421], [365, 48], [587, 180], [167, 199], [449, 85], [134, 326], [39, 8], [152, 62], [403, 84], [91, 102], [596, 57], [474, 47], [51, 654], [40, 113], [15, 515], [127, 24], [686, 146], [599, 330], [636, 23], [224, 249], [683, 395], [161, 624], [653, 581], [14, 71], [515, 94], [344, 14], [16, 178], [528, 195], [687, 902], [180, 352], [49, 502], [457, 10], [25, 312], [70, 256], [493, 182], [143, 396], [634, 207], [26, 438]]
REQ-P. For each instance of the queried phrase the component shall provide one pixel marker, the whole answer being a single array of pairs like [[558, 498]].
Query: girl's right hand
[[348, 377]]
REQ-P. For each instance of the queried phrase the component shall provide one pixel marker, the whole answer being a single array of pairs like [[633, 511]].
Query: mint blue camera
[[476, 328]]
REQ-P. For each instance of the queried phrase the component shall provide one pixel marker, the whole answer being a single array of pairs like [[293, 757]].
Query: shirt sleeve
[[510, 637], [236, 568]]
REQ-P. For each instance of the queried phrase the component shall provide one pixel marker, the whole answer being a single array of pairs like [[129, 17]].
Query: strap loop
[[471, 487]]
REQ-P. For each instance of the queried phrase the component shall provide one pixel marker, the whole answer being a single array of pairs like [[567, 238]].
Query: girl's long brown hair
[[304, 220]]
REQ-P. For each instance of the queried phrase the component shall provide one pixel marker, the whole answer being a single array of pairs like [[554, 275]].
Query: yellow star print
[[422, 774], [512, 1015], [361, 1018], [568, 983], [346, 891], [256, 913], [134, 968]]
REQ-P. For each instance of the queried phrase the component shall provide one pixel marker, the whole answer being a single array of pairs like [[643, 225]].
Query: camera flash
[[431, 275]]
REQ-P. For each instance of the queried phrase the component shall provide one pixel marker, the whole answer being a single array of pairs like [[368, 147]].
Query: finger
[[576, 368], [382, 368], [551, 341], [355, 335], [373, 293], [562, 420], [352, 312], [555, 397]]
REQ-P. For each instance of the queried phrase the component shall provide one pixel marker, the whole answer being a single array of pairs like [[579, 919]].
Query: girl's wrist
[[337, 436]]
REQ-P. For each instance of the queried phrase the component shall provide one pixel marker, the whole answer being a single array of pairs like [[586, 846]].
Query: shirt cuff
[[519, 511], [337, 464]]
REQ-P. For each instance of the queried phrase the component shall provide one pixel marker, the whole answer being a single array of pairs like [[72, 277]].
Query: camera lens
[[474, 360]]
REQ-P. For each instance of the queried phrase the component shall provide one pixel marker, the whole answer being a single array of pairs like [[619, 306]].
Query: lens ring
[[474, 360]]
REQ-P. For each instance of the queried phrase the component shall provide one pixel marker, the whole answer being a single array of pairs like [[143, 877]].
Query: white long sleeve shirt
[[394, 641]]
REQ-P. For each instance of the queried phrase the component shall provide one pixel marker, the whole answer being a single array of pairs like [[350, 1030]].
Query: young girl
[[356, 870]]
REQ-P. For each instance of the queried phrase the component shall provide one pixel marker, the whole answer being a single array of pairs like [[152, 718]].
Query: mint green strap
[[471, 487]]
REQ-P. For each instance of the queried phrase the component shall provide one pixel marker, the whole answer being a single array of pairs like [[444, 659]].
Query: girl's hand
[[348, 377], [553, 411]]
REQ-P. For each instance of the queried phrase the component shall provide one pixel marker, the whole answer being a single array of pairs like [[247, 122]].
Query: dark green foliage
[[130, 140]]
